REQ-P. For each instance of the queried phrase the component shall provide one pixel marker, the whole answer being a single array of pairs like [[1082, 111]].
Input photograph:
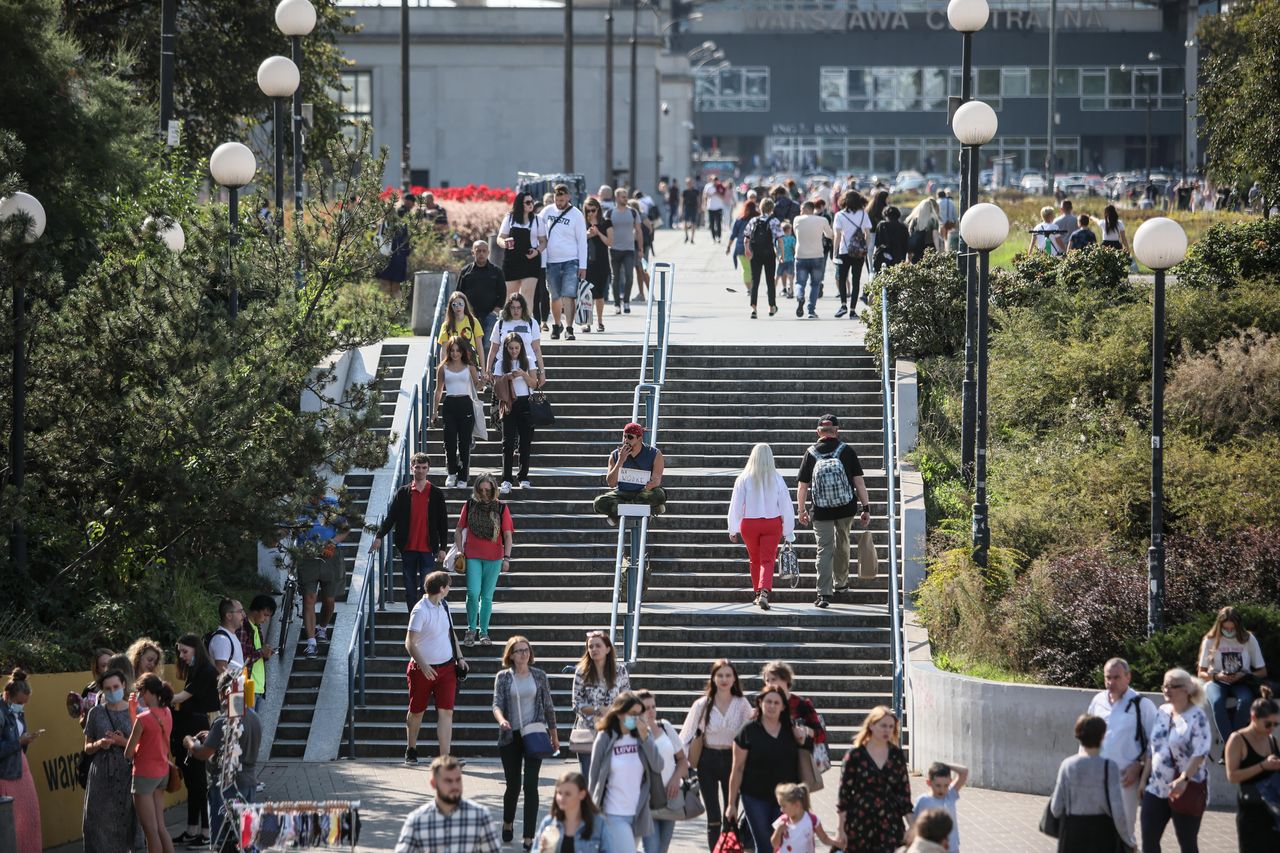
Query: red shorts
[[444, 687]]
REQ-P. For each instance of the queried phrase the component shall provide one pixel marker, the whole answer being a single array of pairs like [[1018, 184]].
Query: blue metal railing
[[648, 394], [377, 580], [891, 507]]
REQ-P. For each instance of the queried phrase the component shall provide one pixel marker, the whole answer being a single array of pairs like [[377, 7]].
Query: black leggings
[[1155, 816], [768, 264], [850, 266], [517, 425], [194, 776], [714, 218], [513, 756], [459, 420], [713, 779]]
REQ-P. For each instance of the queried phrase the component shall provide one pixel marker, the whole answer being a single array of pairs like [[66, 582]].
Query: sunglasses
[[1270, 724], [529, 202]]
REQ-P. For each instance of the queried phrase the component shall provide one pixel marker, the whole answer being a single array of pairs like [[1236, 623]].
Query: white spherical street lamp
[[169, 232], [1160, 243], [232, 165], [29, 206], [968, 16], [295, 17], [984, 227], [278, 77], [974, 123]]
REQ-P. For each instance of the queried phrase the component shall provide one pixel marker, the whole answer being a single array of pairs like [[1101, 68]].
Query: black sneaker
[[840, 589], [822, 602], [555, 333], [568, 333], [410, 755], [813, 315], [799, 309], [842, 310], [626, 308], [197, 842]]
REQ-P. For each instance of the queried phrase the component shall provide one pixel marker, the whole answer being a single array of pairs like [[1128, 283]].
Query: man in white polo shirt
[[1130, 718], [436, 665], [811, 257]]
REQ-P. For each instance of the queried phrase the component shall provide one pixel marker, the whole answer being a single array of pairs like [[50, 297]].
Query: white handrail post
[[890, 458]]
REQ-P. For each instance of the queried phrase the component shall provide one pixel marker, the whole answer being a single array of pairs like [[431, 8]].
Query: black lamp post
[[1159, 243], [278, 79], [168, 49], [295, 19], [233, 166]]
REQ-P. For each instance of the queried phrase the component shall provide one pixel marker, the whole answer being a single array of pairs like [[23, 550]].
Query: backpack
[[1135, 705], [760, 236], [831, 487], [208, 638]]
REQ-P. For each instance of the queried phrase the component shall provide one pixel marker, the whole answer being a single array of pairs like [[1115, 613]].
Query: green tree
[[1239, 79]]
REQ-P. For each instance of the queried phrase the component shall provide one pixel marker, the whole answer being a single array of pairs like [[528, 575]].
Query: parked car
[[1033, 184]]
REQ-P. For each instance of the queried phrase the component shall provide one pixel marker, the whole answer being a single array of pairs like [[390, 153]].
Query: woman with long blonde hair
[[875, 791], [760, 511]]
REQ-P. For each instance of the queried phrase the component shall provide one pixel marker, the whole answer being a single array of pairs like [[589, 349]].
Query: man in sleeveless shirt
[[634, 476]]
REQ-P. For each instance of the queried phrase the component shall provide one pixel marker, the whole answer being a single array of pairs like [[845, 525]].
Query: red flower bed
[[471, 192]]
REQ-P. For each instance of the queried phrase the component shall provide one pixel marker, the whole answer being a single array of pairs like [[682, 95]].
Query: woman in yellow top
[[460, 321]]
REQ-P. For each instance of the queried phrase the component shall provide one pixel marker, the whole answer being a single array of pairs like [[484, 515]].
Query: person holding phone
[[634, 476], [16, 780], [107, 823]]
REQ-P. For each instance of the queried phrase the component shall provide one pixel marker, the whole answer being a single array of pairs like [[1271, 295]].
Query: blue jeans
[[487, 322], [623, 264], [809, 270], [482, 579], [1218, 693], [415, 565], [217, 797], [760, 815], [659, 840], [562, 279], [619, 834]]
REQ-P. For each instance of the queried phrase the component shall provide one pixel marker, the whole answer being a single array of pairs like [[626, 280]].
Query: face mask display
[[1229, 635], [629, 723], [116, 695]]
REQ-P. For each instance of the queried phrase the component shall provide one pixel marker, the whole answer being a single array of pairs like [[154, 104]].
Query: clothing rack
[[284, 834]]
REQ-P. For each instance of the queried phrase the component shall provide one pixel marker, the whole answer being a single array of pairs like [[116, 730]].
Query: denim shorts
[[562, 279], [786, 267]]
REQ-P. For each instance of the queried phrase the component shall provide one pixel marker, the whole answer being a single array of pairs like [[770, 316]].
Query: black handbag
[[540, 412]]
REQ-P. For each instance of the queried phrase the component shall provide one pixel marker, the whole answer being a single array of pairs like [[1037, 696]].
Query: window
[[356, 96], [732, 90]]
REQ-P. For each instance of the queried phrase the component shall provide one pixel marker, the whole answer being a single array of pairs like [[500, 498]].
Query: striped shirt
[[428, 830]]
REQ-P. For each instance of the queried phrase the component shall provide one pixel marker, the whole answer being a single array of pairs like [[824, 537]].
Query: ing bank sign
[[879, 20]]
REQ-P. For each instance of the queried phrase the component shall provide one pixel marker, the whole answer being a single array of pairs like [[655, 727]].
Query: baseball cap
[[828, 420], [633, 429]]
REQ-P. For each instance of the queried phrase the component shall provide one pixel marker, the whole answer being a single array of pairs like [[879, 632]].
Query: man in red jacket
[[417, 513]]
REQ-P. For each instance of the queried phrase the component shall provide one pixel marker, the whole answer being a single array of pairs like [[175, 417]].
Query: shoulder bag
[[687, 803], [807, 768], [789, 564], [1193, 800], [868, 560], [540, 411], [533, 736]]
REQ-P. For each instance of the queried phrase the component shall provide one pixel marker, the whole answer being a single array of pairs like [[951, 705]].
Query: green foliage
[[1179, 647], [926, 308], [1239, 79], [959, 603], [1233, 390], [1232, 253]]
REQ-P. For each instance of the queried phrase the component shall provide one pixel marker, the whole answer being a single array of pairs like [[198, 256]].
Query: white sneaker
[[505, 488], [525, 484], [322, 633], [450, 481]]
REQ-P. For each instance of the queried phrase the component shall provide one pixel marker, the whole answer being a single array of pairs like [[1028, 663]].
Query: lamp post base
[[1155, 589]]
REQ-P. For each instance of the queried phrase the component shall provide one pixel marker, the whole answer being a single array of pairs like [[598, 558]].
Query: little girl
[[787, 261], [796, 829]]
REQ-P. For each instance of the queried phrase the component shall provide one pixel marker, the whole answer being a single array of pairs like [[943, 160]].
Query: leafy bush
[[957, 604], [1233, 390], [1229, 254], [1179, 647], [926, 308], [1096, 268]]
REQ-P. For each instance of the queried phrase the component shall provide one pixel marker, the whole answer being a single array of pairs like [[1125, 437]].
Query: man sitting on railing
[[634, 476]]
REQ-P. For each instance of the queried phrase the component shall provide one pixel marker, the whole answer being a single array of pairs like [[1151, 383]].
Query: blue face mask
[[629, 723], [116, 695], [15, 708], [1228, 635]]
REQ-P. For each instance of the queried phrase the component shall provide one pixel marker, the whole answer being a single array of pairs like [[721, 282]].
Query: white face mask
[[1228, 635]]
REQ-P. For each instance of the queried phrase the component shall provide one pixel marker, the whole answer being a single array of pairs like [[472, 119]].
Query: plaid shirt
[[470, 829]]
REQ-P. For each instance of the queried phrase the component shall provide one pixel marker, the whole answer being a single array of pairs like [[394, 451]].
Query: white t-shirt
[[715, 200], [1231, 656], [224, 645], [800, 836], [433, 626], [1108, 234], [528, 330], [626, 773], [1041, 231], [809, 230], [847, 223], [1121, 743], [948, 802], [668, 744]]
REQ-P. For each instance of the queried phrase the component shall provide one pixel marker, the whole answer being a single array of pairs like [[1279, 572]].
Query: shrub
[[926, 308], [957, 604], [1230, 253], [1099, 269], [1233, 390], [1179, 647]]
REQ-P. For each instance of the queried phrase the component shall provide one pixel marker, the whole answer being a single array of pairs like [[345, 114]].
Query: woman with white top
[[1179, 748], [1044, 232], [1231, 664], [514, 381], [457, 381], [515, 317], [708, 732], [761, 512], [524, 238], [622, 759], [675, 768], [853, 240], [1113, 230], [521, 701]]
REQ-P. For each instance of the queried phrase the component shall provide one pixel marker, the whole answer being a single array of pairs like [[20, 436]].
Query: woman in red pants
[[760, 511]]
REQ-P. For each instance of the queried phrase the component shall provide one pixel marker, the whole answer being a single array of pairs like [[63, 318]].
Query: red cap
[[633, 429]]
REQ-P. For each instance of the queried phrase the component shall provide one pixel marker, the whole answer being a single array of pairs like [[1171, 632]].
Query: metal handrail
[[891, 509], [648, 392]]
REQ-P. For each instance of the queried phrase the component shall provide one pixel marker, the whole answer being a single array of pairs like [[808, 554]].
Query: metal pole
[[1147, 147], [1053, 73], [233, 237], [18, 435], [967, 389], [168, 43], [1155, 554], [632, 130], [568, 85], [277, 126], [608, 95], [404, 96], [891, 507], [297, 131], [1185, 138], [981, 530]]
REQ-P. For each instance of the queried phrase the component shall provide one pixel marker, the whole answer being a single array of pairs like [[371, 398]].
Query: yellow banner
[[54, 755]]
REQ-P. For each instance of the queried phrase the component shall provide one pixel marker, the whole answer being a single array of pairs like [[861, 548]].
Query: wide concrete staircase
[[717, 403]]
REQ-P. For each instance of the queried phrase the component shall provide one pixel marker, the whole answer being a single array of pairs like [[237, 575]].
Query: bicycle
[[290, 605]]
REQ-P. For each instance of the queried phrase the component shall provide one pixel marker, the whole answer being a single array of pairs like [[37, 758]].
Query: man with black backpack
[[758, 240], [1130, 717], [831, 473]]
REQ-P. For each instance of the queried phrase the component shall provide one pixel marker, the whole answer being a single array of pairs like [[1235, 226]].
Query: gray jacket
[[544, 711], [599, 782]]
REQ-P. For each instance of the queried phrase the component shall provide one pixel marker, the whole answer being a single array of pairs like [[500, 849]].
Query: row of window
[[896, 89], [886, 156]]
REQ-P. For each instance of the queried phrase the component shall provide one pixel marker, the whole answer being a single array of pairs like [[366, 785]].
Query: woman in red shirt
[[148, 748], [484, 537]]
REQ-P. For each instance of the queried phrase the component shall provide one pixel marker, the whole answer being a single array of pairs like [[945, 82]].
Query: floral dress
[[598, 696], [108, 824], [1175, 740], [874, 800]]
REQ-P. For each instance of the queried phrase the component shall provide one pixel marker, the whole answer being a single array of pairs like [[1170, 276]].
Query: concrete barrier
[[906, 409], [1012, 737], [426, 289]]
